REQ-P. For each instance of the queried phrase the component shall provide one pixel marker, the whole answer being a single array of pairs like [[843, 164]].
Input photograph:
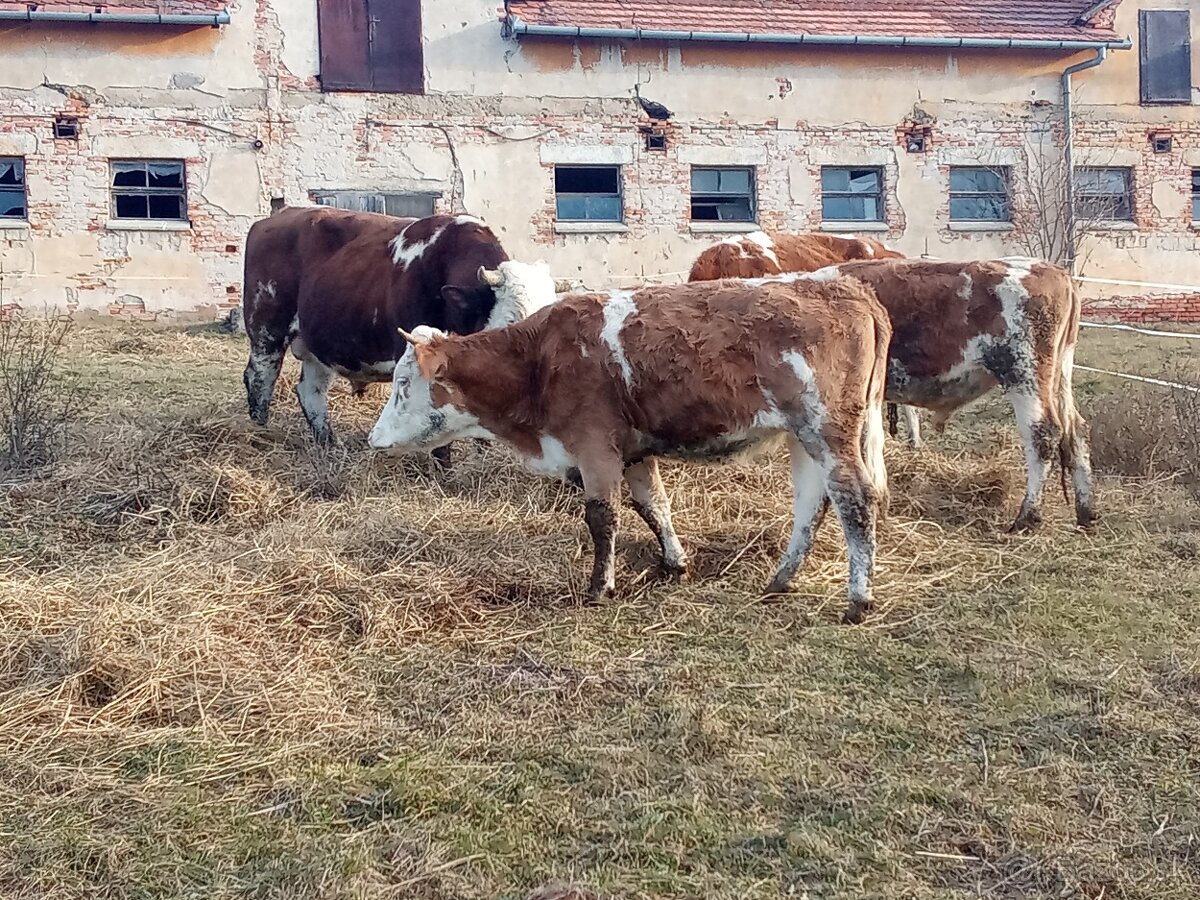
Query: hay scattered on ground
[[238, 665]]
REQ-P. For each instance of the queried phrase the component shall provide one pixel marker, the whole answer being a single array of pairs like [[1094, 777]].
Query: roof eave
[[651, 34], [115, 18]]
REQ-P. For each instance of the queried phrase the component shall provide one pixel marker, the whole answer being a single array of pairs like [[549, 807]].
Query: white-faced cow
[[759, 255], [335, 286], [606, 383], [962, 329]]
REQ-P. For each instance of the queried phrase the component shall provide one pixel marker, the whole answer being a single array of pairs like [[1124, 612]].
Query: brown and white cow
[[606, 383], [335, 285], [759, 254], [961, 329]]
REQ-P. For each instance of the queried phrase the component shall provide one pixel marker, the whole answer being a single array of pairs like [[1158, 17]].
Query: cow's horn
[[562, 286], [491, 277], [411, 338]]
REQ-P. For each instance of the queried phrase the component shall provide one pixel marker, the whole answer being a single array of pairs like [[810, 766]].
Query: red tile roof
[[136, 7], [1051, 20]]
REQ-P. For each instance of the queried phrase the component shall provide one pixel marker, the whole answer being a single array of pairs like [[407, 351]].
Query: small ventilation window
[[66, 128], [1162, 143]]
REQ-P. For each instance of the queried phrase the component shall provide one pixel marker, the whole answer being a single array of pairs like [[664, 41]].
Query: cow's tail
[[874, 433], [1072, 446]]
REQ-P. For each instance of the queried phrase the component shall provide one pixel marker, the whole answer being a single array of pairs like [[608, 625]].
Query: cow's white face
[[410, 420], [521, 290]]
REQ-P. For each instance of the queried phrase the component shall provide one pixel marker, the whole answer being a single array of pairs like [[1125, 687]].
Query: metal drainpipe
[[1069, 148]]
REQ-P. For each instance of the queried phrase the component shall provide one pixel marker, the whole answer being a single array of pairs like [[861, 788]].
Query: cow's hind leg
[[912, 418], [262, 371], [809, 503], [313, 394], [857, 504], [652, 504], [602, 486], [1040, 435]]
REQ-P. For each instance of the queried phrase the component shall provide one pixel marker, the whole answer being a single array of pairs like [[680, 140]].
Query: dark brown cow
[[605, 383], [758, 255], [962, 329], [336, 285]]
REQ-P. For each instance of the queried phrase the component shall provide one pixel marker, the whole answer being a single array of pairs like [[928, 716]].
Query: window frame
[[114, 191], [1004, 173], [715, 198], [22, 186], [1196, 196], [376, 201], [619, 195], [880, 194], [1129, 196]]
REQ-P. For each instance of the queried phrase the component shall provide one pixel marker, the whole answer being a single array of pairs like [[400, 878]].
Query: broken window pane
[[979, 194], [851, 195], [1104, 194], [588, 193], [12, 188], [723, 195], [12, 171], [149, 189]]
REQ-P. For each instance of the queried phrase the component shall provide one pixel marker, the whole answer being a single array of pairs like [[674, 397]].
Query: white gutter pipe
[[42, 15]]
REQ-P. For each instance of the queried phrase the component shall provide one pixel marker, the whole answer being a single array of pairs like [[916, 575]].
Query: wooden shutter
[[1166, 55], [342, 27], [397, 51]]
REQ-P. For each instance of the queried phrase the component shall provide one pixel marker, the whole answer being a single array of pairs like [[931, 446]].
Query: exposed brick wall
[[1173, 308]]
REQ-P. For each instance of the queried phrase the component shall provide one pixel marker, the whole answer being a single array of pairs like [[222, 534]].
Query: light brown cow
[[606, 383], [962, 329], [758, 255]]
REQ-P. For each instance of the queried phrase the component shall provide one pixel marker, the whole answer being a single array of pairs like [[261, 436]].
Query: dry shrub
[[1141, 436], [37, 400]]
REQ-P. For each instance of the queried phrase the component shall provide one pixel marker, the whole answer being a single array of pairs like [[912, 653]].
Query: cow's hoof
[[778, 586], [596, 596], [856, 612], [1086, 518], [1025, 523], [674, 572], [573, 478]]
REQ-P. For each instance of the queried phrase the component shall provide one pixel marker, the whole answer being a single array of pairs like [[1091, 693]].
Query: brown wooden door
[[371, 45], [345, 47]]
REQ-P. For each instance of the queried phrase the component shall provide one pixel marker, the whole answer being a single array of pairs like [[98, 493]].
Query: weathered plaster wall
[[500, 114]]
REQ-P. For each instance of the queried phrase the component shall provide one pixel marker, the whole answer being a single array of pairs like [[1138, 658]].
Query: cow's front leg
[[652, 504], [313, 394], [602, 485]]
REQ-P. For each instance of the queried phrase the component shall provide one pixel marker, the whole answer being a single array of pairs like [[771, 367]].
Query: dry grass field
[[236, 667]]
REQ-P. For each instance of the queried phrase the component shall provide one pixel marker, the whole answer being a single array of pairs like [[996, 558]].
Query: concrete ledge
[[1111, 226], [148, 225], [723, 227], [586, 154], [981, 226], [14, 225], [855, 227], [590, 228]]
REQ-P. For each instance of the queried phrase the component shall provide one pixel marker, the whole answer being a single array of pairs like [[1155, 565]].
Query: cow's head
[[467, 306], [422, 414], [521, 290]]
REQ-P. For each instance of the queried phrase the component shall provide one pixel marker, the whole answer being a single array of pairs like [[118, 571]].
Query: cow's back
[[760, 254]]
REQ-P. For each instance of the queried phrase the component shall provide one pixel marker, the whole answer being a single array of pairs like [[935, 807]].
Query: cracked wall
[[499, 115]]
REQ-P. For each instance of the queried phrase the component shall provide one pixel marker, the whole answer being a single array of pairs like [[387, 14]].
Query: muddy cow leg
[[313, 394], [262, 371], [1041, 434], [652, 504], [857, 504], [893, 419], [1075, 454], [602, 486]]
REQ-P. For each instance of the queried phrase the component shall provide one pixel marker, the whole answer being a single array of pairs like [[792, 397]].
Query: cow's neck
[[500, 382]]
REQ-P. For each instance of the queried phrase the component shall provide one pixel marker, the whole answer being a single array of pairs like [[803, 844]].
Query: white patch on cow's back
[[967, 289], [555, 460], [405, 254], [617, 309], [829, 273], [764, 242], [814, 405], [1014, 296], [869, 249], [469, 220]]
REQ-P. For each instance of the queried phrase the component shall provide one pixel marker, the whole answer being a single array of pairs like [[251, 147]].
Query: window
[[588, 193], [148, 189], [1165, 55], [1104, 195], [852, 195], [371, 45], [1196, 195], [722, 195], [979, 194], [12, 187], [66, 128], [416, 206]]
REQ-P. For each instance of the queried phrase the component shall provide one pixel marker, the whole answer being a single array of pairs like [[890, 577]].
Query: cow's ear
[[431, 361]]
